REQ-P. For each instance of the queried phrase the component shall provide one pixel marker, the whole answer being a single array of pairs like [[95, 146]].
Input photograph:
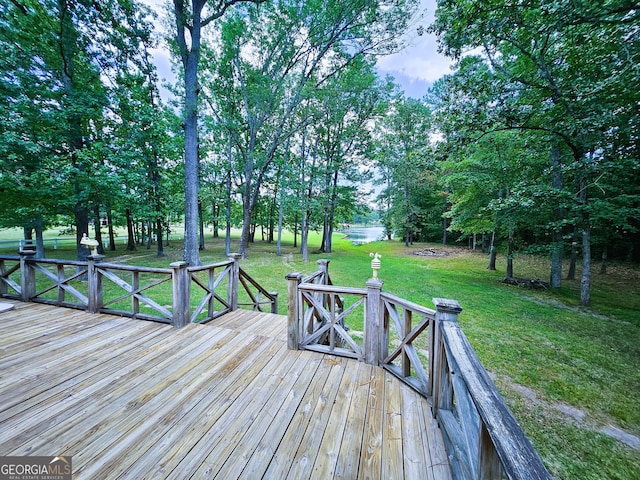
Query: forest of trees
[[278, 119]]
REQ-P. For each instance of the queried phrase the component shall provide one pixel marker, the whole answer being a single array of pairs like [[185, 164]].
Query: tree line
[[280, 120]]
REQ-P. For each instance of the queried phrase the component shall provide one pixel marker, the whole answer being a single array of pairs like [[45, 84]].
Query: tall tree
[[277, 54], [191, 17], [404, 155]]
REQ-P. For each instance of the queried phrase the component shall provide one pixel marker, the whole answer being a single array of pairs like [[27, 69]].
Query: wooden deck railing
[[426, 349], [177, 295]]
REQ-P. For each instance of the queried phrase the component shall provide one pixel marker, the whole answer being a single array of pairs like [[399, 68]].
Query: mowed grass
[[566, 371]]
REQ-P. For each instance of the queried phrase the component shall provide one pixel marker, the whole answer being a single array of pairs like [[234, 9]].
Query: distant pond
[[361, 235]]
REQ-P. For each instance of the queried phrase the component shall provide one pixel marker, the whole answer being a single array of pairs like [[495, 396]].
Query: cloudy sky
[[419, 64], [415, 67]]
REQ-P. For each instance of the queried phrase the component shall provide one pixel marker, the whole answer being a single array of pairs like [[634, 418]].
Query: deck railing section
[[130, 291], [426, 349], [10, 277], [405, 325], [256, 297], [207, 281], [178, 295]]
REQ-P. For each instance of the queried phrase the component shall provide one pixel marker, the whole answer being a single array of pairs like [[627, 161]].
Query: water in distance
[[362, 235]]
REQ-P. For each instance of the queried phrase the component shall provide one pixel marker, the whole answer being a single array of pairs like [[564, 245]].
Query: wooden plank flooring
[[132, 399]]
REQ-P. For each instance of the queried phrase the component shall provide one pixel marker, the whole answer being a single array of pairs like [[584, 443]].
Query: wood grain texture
[[132, 399]]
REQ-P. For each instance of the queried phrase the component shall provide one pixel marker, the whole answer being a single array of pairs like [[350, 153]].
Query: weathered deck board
[[133, 399]]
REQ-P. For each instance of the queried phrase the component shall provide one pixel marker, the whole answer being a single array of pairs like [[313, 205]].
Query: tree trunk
[[509, 273], [571, 275], [149, 234], [190, 55], [280, 217], [603, 265], [444, 220], [215, 213], [557, 245], [143, 233], [96, 228], [245, 234], [39, 228], [112, 237], [332, 213], [159, 236], [82, 226], [227, 238], [131, 241], [201, 226], [304, 237], [492, 252], [585, 282]]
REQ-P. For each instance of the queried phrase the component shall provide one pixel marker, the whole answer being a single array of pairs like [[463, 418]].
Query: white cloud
[[419, 62]]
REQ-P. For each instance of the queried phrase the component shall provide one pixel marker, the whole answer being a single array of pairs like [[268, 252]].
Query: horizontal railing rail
[[177, 295], [426, 349]]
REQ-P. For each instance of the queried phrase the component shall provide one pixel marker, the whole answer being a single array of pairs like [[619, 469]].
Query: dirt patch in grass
[[571, 414], [448, 251]]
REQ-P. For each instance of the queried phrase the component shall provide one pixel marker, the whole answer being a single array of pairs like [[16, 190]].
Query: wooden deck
[[135, 399]]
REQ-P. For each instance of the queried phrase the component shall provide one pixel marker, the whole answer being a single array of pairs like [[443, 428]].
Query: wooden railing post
[[27, 276], [438, 388], [374, 334], [234, 280], [323, 266], [3, 285], [181, 294], [293, 322], [94, 281]]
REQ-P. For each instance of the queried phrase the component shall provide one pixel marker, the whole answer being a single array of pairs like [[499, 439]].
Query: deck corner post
[[234, 280], [447, 310], [94, 280], [293, 322], [374, 333], [181, 294], [274, 304], [27, 276]]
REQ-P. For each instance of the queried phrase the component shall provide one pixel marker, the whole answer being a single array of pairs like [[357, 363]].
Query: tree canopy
[[281, 120]]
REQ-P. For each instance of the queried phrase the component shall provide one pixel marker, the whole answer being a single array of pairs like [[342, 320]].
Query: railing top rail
[[311, 277], [133, 268], [408, 304], [9, 257], [252, 281], [312, 287], [518, 457], [201, 268], [52, 261]]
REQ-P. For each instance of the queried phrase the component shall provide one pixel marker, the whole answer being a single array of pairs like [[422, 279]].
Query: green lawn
[[565, 371]]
